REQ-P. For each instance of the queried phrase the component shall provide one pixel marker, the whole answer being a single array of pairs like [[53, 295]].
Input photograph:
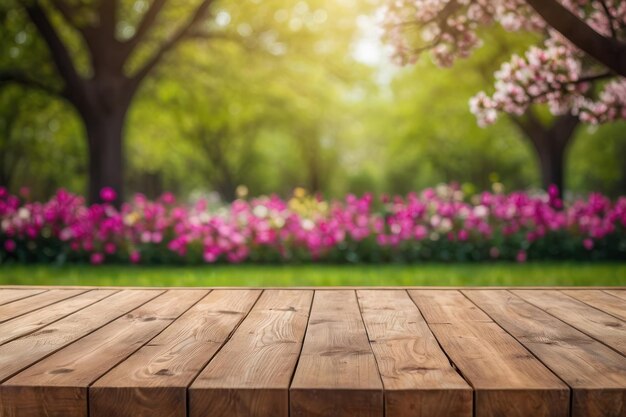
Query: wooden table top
[[305, 352]]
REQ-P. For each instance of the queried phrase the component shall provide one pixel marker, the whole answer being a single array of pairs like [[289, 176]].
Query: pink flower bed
[[436, 224]]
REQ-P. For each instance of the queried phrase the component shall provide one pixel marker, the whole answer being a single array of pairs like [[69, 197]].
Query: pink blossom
[[168, 198], [108, 194], [552, 72], [10, 245], [253, 228], [110, 248], [96, 258], [135, 257]]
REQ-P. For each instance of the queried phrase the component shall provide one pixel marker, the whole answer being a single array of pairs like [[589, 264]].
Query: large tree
[[578, 69], [102, 83]]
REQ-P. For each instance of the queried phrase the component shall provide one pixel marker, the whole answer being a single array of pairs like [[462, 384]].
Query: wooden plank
[[58, 384], [337, 373], [617, 293], [8, 295], [20, 353], [26, 305], [153, 381], [507, 379], [596, 373], [608, 303], [250, 376], [601, 326], [33, 321], [446, 306], [418, 379]]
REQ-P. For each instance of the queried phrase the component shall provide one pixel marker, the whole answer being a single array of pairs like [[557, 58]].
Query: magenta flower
[[108, 194], [418, 223], [110, 248], [135, 257], [168, 198], [10, 245], [96, 258]]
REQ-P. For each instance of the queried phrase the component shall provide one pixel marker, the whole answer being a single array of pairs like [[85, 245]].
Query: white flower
[[481, 211], [435, 220], [23, 213], [446, 225], [66, 234], [278, 221], [307, 224], [260, 211]]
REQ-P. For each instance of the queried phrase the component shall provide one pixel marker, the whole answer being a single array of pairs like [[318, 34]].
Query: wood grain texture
[[357, 352], [20, 353], [418, 379], [447, 306], [35, 320], [608, 303], [617, 293], [153, 381], [26, 305], [8, 295], [57, 385], [596, 373], [337, 373], [601, 326], [250, 375], [507, 379]]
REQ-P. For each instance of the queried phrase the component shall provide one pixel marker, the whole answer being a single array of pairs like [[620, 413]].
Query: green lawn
[[313, 275]]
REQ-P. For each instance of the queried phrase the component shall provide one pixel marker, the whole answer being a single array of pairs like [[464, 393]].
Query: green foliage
[[598, 160], [40, 143]]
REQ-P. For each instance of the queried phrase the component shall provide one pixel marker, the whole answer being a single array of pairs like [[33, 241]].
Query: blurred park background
[[265, 97], [290, 94]]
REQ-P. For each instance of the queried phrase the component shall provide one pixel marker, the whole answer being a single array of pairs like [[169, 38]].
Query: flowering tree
[[578, 70]]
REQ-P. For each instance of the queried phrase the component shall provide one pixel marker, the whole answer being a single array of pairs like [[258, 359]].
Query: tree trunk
[[550, 143], [227, 191], [106, 161], [552, 165]]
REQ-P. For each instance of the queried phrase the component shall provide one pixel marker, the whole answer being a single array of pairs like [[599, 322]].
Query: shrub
[[439, 224]]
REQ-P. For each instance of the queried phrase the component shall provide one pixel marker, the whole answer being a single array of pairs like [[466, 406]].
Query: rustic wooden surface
[[252, 372], [358, 352], [501, 371]]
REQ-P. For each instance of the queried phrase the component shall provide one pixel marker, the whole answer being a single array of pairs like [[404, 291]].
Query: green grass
[[533, 274]]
